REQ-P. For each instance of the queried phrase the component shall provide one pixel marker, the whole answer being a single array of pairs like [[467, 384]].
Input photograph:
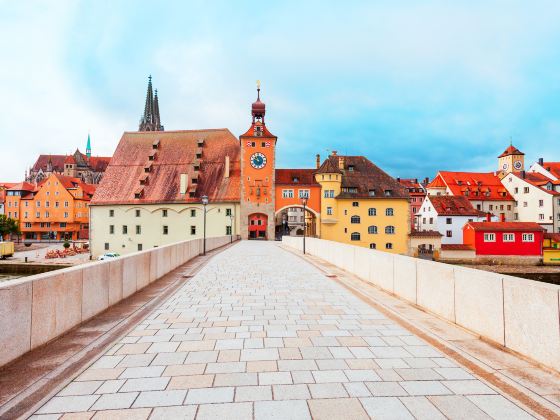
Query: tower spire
[[150, 121], [88, 147]]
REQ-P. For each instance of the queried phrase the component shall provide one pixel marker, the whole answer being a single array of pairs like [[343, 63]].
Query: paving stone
[[228, 367], [259, 354], [357, 389], [422, 374], [136, 360], [210, 395], [264, 366], [181, 370], [458, 407], [110, 387], [68, 404], [187, 412], [160, 398], [115, 401], [281, 410], [386, 408], [145, 384], [357, 375], [386, 389], [275, 378], [142, 372], [338, 408], [284, 365], [329, 390], [425, 388], [230, 411], [253, 393], [201, 357], [468, 387], [80, 388], [290, 392], [107, 362], [130, 414], [498, 407], [235, 379], [421, 408], [323, 376], [302, 377], [229, 355]]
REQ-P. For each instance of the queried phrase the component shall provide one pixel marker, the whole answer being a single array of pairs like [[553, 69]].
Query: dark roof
[[424, 233], [453, 205], [511, 150], [505, 226], [457, 247], [362, 174], [97, 163], [295, 177], [175, 154]]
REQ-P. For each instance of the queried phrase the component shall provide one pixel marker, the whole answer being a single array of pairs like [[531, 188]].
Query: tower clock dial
[[258, 160], [505, 166], [517, 164]]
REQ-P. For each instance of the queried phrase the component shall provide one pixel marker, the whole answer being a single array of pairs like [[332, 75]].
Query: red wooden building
[[504, 238]]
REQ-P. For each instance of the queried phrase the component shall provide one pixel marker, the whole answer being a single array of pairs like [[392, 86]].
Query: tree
[[8, 226]]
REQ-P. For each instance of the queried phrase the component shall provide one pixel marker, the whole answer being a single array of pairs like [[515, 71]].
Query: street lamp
[[304, 202], [231, 226], [204, 203]]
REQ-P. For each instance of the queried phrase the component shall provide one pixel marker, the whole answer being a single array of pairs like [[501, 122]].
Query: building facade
[[417, 193], [362, 205], [152, 192]]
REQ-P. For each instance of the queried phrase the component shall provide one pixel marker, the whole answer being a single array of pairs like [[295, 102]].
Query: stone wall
[[522, 315], [34, 310]]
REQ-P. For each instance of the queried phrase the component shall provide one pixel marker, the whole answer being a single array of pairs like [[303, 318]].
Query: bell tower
[[258, 160], [512, 160]]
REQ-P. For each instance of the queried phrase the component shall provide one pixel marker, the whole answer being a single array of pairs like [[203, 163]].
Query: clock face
[[517, 164], [505, 166], [258, 160]]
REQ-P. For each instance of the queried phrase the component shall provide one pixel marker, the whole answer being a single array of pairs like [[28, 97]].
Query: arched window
[[355, 236], [372, 229], [388, 245], [372, 246], [355, 219], [389, 212], [390, 230], [372, 212]]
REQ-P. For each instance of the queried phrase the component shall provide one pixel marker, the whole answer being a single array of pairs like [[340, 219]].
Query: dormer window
[[388, 193], [155, 144], [371, 193], [350, 168], [295, 179], [200, 142]]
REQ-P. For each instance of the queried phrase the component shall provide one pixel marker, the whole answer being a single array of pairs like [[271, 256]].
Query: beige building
[[151, 193]]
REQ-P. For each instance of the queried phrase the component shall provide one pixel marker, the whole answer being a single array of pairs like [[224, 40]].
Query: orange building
[[55, 209]]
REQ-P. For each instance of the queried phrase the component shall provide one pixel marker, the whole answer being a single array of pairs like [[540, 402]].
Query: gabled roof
[[553, 168], [505, 226], [511, 150], [175, 155], [412, 185], [538, 180], [295, 177], [22, 186], [368, 179], [451, 205], [480, 186], [251, 131]]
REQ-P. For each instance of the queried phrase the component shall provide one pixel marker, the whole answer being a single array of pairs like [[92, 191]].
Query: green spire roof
[[88, 146]]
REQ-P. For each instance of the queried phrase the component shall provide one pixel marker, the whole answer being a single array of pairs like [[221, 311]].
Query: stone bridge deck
[[260, 333]]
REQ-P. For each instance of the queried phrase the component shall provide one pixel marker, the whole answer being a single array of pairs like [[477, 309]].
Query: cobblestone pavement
[[261, 334]]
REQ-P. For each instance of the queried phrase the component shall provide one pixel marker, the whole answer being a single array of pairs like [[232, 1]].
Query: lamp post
[[304, 202], [231, 227], [204, 204]]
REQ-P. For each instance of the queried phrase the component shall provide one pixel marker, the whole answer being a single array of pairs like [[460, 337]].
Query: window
[[448, 220], [390, 230], [228, 212], [303, 193], [66, 204], [449, 233], [355, 204], [26, 215], [193, 230], [355, 219], [372, 212], [106, 246], [66, 214], [138, 229], [388, 193], [137, 213], [508, 237], [47, 204], [329, 211], [125, 229], [111, 213], [372, 230], [228, 230], [62, 224], [528, 237], [424, 220], [345, 230], [431, 220], [165, 230], [350, 168], [139, 247], [111, 229], [371, 193], [193, 212], [287, 193], [355, 236], [524, 204], [352, 190], [328, 194], [491, 207], [509, 207], [389, 212], [541, 203], [38, 214], [525, 190], [27, 224], [56, 204], [331, 193], [372, 246], [489, 237], [541, 216], [164, 213], [388, 245], [47, 214]]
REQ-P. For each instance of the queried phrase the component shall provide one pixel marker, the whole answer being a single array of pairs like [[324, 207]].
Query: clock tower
[[512, 160], [258, 159]]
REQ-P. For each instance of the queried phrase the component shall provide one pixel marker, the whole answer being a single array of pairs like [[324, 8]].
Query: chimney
[[488, 217], [334, 152], [426, 180], [416, 180], [398, 179], [502, 217], [523, 174], [341, 162], [541, 161], [226, 169], [184, 184], [317, 160]]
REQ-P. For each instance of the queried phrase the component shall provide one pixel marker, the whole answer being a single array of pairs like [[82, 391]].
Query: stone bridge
[[256, 330]]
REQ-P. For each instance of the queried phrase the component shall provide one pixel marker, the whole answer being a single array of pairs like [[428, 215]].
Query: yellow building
[[362, 205], [551, 248]]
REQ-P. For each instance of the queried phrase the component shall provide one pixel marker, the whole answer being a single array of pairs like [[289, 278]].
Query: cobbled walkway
[[260, 333]]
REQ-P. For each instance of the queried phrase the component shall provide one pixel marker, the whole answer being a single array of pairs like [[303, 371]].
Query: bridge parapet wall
[[34, 310], [521, 315]]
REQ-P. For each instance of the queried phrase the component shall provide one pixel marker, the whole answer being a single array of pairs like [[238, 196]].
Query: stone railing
[[521, 315], [36, 309]]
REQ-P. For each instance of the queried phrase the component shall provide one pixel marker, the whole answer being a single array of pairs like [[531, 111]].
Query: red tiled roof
[[295, 177], [480, 186], [453, 205], [70, 159], [251, 131], [362, 174], [437, 182], [505, 226], [511, 150], [538, 180], [412, 184], [554, 236], [22, 186], [457, 247], [176, 155], [57, 162], [553, 168], [97, 163]]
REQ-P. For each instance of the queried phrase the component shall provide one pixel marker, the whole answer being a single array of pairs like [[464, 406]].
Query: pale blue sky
[[415, 86]]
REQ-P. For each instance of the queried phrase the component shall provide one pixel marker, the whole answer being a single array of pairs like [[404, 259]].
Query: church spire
[[88, 147], [150, 121]]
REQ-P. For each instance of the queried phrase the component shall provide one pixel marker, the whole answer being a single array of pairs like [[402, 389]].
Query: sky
[[416, 86]]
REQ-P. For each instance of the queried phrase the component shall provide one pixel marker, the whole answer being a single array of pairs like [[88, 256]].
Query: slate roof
[[362, 174], [176, 154]]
